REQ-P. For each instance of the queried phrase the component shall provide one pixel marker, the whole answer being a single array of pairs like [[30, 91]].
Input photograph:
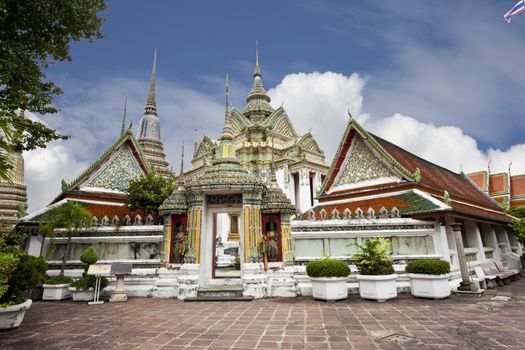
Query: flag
[[517, 9]]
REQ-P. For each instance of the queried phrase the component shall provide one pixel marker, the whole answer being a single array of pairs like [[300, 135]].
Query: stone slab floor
[[489, 322]]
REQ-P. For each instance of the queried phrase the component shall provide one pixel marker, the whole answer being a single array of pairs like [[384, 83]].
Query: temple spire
[[258, 102], [195, 143], [257, 71], [123, 126], [151, 104], [227, 112], [182, 159], [227, 129]]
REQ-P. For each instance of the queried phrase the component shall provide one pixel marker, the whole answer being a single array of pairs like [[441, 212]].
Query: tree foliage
[[148, 192], [70, 216], [35, 34], [518, 226]]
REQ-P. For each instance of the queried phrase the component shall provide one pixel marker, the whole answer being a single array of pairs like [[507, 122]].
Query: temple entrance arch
[[222, 246]]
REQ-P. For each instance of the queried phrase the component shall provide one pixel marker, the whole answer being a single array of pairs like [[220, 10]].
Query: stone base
[[118, 297]]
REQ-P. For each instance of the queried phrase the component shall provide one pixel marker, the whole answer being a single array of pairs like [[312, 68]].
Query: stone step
[[220, 298], [220, 291]]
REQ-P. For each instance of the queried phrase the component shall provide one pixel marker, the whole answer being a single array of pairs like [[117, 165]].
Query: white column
[[490, 238], [441, 242], [304, 190], [514, 241], [503, 239], [474, 238], [451, 240], [35, 245]]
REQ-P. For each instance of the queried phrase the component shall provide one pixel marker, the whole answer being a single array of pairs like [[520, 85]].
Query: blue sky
[[443, 79]]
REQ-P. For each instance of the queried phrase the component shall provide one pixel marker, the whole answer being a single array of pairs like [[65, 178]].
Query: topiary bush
[[428, 267], [89, 256], [59, 279], [327, 268], [86, 282]]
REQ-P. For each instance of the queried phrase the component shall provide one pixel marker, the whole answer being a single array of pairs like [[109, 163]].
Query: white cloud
[[320, 101]]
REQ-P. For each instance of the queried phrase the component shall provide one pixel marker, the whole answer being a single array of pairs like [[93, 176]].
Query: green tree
[[148, 192], [518, 226], [71, 216], [35, 34]]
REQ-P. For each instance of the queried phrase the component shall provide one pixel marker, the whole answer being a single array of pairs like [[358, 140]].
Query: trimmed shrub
[[327, 268], [428, 267], [59, 279], [86, 282], [89, 256]]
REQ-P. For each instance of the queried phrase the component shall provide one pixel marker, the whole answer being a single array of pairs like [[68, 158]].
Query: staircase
[[221, 290]]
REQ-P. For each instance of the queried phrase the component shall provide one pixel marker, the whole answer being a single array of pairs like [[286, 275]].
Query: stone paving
[[302, 323]]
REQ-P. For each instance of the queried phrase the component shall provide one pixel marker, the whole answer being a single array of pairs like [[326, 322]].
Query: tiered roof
[[384, 175]]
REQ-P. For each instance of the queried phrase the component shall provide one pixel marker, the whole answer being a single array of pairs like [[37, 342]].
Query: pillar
[[491, 240], [465, 284], [503, 239], [474, 238], [252, 232], [304, 190], [167, 240], [194, 234], [286, 239], [441, 241]]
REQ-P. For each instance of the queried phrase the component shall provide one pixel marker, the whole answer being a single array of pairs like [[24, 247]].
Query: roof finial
[[123, 127], [195, 141], [182, 159], [257, 70], [151, 104], [227, 97]]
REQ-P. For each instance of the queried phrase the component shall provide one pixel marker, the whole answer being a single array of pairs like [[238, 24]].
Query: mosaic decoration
[[362, 165], [118, 172]]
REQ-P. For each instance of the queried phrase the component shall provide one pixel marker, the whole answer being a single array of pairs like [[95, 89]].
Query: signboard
[[120, 269], [99, 269]]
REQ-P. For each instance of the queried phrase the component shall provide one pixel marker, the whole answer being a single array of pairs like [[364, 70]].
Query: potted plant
[[328, 278], [56, 288], [83, 289], [377, 280], [19, 273], [429, 278]]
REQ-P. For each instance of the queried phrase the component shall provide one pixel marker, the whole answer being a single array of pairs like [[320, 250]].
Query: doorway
[[226, 248]]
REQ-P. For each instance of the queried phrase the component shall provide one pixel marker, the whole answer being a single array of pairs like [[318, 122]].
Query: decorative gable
[[308, 143], [279, 123], [205, 148], [362, 166], [117, 171]]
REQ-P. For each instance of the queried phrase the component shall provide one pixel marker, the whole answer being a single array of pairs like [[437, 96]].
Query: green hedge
[[89, 281], [428, 267], [59, 279], [327, 268]]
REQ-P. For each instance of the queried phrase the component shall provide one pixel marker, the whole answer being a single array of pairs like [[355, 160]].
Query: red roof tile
[[498, 183], [438, 177]]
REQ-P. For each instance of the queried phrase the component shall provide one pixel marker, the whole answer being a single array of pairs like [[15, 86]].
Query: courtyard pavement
[[488, 322]]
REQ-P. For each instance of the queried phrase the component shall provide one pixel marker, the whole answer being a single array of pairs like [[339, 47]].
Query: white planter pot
[[329, 288], [56, 292], [377, 287], [12, 316], [429, 286], [82, 295]]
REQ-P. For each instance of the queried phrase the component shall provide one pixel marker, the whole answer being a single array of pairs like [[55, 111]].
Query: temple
[[261, 134], [259, 203], [506, 189]]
